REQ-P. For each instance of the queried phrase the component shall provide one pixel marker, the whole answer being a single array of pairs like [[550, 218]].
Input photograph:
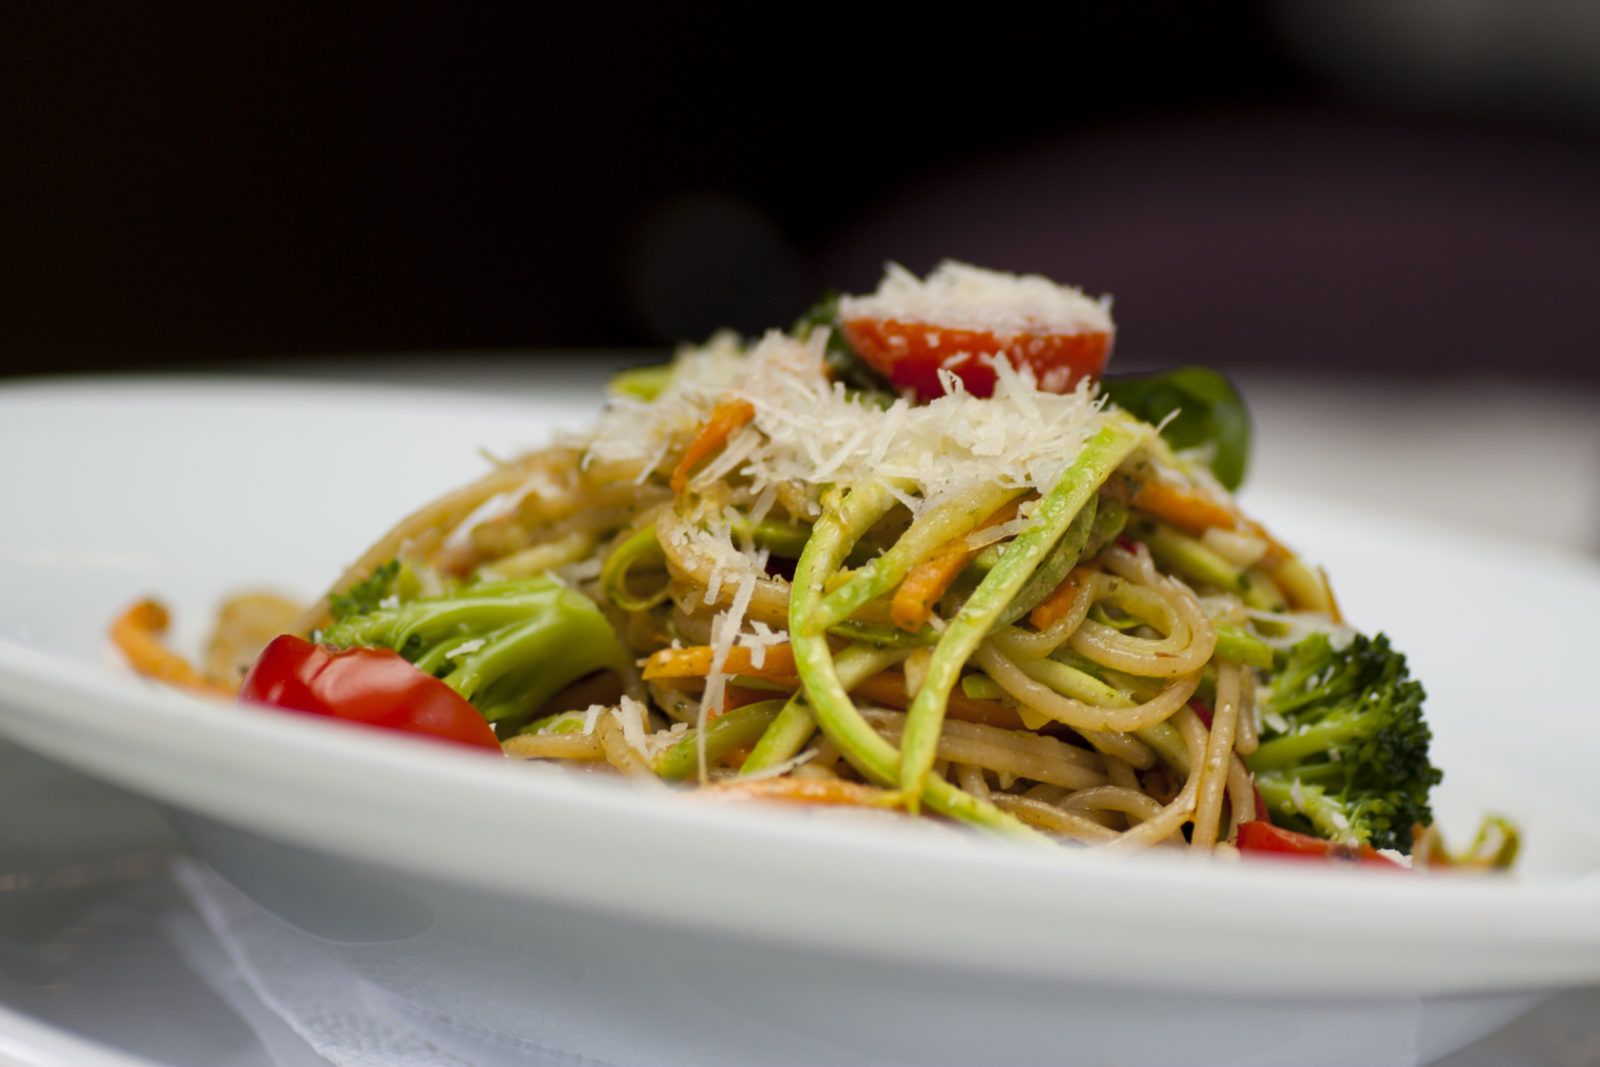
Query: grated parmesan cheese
[[630, 715], [759, 640], [777, 770], [963, 297], [466, 648], [658, 742], [724, 631], [811, 431]]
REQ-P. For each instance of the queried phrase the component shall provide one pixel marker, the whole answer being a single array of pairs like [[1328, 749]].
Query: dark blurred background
[[1336, 185]]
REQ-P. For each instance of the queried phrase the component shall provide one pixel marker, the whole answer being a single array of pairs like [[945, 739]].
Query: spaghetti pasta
[[1007, 601]]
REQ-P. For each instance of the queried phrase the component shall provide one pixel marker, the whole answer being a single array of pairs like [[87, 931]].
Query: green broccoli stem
[[793, 727], [1262, 593], [640, 546], [1242, 646], [1057, 510], [841, 524], [1188, 558], [1109, 519], [562, 722], [1309, 741], [878, 636], [783, 539], [520, 667], [1168, 744], [932, 530], [1325, 814], [982, 687], [642, 383], [1062, 558], [735, 729]]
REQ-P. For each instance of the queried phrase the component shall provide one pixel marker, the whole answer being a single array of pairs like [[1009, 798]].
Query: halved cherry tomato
[[1260, 836], [367, 685], [911, 354]]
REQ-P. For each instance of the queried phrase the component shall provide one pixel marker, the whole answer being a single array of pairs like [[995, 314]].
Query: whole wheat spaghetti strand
[[1248, 737], [1219, 754], [618, 753], [1051, 819], [1041, 764], [1241, 797], [973, 780], [1181, 810], [1128, 801], [1076, 713], [439, 517], [581, 748]]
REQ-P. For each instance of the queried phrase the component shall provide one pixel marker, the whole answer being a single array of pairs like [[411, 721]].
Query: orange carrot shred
[[795, 791], [1185, 508], [888, 690], [927, 581], [1333, 602], [726, 418], [1053, 608], [137, 635], [924, 585], [695, 662]]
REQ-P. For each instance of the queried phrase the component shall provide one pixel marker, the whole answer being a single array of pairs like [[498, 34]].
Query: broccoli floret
[[366, 594], [507, 647], [1352, 765]]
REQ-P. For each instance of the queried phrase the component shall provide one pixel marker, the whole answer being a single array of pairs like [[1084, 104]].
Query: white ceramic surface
[[105, 963], [496, 873], [26, 1042]]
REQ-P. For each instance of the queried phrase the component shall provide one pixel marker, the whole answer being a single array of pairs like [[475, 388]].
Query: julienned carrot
[[1333, 601], [796, 791], [695, 662], [137, 634], [1182, 506], [888, 690], [1193, 512], [925, 583], [1054, 607], [725, 418]]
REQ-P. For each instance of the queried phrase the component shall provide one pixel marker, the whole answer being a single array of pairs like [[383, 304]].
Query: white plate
[[113, 490], [104, 963]]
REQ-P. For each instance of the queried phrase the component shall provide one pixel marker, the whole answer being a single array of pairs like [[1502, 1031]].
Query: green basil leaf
[[1210, 412]]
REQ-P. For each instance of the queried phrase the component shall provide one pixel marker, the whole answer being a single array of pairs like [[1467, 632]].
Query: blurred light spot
[[1489, 56]]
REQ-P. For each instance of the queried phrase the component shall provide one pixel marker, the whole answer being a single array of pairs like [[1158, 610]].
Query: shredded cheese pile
[[810, 430], [964, 297]]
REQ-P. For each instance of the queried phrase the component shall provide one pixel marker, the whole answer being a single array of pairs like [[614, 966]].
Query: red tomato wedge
[[374, 686], [911, 354], [1261, 837]]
